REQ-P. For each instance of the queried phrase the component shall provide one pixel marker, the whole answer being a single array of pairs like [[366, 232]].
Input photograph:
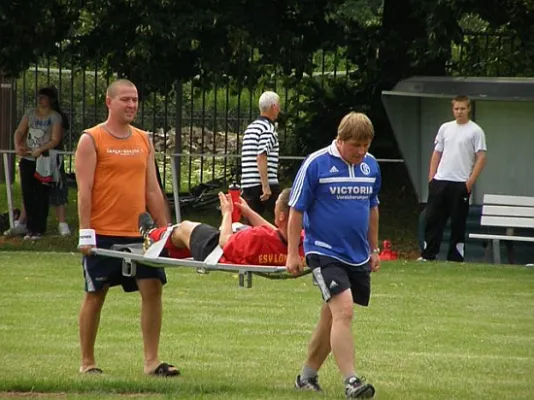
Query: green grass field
[[432, 331]]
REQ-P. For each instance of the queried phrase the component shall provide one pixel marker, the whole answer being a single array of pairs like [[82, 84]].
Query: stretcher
[[133, 254]]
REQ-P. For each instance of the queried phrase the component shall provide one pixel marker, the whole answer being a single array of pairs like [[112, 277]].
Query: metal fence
[[489, 54], [197, 117], [209, 117]]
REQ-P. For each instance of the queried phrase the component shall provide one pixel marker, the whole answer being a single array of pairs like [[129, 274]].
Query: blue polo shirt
[[336, 198]]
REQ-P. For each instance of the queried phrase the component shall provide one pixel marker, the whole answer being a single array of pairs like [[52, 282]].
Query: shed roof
[[477, 88]]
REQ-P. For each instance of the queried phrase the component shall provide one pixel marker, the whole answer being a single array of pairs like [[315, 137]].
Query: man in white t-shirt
[[458, 159]]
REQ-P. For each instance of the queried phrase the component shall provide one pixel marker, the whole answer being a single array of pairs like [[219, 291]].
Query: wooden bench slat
[[498, 199], [507, 222], [508, 211], [500, 237]]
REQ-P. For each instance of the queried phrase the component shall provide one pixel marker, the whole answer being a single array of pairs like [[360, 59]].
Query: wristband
[[87, 237], [376, 251]]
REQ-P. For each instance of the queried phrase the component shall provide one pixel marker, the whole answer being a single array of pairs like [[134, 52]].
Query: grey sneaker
[[311, 384], [63, 229], [17, 230], [146, 225], [358, 388]]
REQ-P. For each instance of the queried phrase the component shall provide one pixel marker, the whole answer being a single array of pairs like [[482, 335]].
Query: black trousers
[[34, 197], [252, 196], [446, 199]]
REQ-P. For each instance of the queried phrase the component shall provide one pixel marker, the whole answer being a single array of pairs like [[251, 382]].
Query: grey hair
[[267, 100]]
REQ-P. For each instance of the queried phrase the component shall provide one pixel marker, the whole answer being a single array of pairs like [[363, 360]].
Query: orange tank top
[[119, 185]]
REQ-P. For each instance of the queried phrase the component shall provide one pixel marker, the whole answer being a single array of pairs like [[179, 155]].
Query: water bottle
[[235, 192]]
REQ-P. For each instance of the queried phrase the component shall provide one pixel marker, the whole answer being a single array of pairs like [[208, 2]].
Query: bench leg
[[510, 252], [496, 251]]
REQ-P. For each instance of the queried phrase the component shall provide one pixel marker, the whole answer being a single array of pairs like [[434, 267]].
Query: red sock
[[157, 233]]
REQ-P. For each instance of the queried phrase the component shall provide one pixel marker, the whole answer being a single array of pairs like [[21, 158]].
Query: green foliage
[[365, 12], [32, 28], [318, 109], [226, 53], [208, 37]]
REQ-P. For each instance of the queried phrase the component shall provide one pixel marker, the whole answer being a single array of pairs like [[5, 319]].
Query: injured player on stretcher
[[259, 244]]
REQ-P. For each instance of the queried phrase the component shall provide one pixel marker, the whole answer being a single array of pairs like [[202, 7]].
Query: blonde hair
[[355, 126], [283, 198], [112, 88]]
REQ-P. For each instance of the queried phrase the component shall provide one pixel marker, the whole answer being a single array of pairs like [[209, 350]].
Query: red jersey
[[258, 245]]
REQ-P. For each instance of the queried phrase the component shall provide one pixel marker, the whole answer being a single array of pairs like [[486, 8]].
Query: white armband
[[87, 237]]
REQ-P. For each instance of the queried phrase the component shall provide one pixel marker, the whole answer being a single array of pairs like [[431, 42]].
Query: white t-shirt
[[458, 144]]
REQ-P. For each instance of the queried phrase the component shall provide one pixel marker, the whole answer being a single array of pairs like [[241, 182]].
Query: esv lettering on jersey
[[344, 190], [272, 259]]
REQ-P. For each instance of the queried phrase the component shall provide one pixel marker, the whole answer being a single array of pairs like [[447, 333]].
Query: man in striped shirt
[[259, 157]]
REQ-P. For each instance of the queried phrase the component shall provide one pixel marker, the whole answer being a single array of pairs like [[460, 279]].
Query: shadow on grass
[[104, 387]]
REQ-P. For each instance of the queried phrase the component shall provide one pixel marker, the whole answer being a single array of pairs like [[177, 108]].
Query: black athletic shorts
[[334, 277], [204, 238], [99, 271]]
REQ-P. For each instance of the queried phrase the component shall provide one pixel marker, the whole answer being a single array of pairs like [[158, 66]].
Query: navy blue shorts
[[101, 271], [334, 277]]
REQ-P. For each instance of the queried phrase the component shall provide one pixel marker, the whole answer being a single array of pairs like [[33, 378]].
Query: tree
[[395, 39], [159, 41], [32, 28]]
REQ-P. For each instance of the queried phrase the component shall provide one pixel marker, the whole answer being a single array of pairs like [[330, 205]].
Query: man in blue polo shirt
[[335, 198]]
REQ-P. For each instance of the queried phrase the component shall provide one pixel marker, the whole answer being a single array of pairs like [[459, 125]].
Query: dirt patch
[[32, 395]]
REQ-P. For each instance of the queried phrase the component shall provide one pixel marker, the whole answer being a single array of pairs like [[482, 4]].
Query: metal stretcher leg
[[245, 275], [129, 267]]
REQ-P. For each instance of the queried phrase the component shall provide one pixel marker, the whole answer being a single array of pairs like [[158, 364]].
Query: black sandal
[[93, 370], [164, 370]]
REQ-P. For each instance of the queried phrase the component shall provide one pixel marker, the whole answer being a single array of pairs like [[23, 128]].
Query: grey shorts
[[59, 195]]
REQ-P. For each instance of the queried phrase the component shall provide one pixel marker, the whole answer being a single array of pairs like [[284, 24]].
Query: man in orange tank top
[[116, 177]]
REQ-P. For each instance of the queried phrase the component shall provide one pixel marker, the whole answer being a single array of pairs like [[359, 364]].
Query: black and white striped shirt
[[260, 137]]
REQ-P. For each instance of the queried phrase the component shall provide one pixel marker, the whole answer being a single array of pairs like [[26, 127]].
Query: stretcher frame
[[245, 272]]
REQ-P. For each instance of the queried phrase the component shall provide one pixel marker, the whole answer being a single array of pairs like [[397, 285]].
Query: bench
[[509, 212]]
